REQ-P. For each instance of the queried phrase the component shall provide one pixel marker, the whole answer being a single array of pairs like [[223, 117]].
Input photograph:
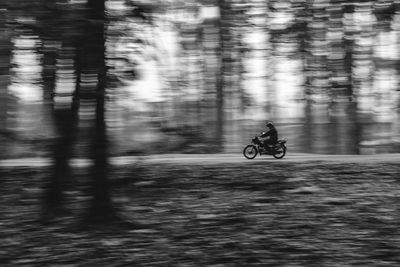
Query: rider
[[271, 135]]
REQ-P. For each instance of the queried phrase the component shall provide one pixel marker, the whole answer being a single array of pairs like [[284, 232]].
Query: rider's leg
[[268, 144]]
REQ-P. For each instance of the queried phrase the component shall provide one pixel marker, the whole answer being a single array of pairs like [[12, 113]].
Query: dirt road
[[207, 159]]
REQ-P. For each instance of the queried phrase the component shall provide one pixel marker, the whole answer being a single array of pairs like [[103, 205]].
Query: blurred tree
[[395, 18], [75, 78], [5, 65], [212, 95], [305, 28], [92, 75], [71, 52], [54, 23], [65, 118], [223, 80], [340, 63], [304, 31], [92, 97], [314, 48], [187, 82], [353, 125], [233, 20]]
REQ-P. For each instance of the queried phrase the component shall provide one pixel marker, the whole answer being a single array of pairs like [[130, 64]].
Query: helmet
[[269, 124]]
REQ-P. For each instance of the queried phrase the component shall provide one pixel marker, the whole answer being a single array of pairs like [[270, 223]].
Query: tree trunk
[[65, 122], [92, 92], [344, 105], [221, 82], [5, 64]]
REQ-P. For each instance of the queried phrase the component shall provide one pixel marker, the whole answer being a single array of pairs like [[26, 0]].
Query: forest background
[[199, 76]]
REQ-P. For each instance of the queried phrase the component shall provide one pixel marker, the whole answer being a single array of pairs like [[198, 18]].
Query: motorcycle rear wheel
[[250, 152], [280, 151]]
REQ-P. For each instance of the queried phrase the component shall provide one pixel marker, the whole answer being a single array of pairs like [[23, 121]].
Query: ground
[[302, 211]]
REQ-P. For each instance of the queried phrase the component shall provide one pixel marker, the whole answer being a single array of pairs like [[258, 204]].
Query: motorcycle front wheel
[[280, 151], [250, 152]]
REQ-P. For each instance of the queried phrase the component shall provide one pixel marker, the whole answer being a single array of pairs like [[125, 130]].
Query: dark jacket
[[272, 134]]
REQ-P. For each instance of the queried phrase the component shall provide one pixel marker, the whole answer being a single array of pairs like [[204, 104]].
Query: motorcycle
[[278, 150]]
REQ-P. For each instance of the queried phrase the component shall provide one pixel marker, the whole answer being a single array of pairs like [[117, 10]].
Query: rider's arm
[[265, 134]]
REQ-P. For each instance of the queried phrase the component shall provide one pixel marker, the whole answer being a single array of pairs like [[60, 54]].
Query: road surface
[[206, 159]]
